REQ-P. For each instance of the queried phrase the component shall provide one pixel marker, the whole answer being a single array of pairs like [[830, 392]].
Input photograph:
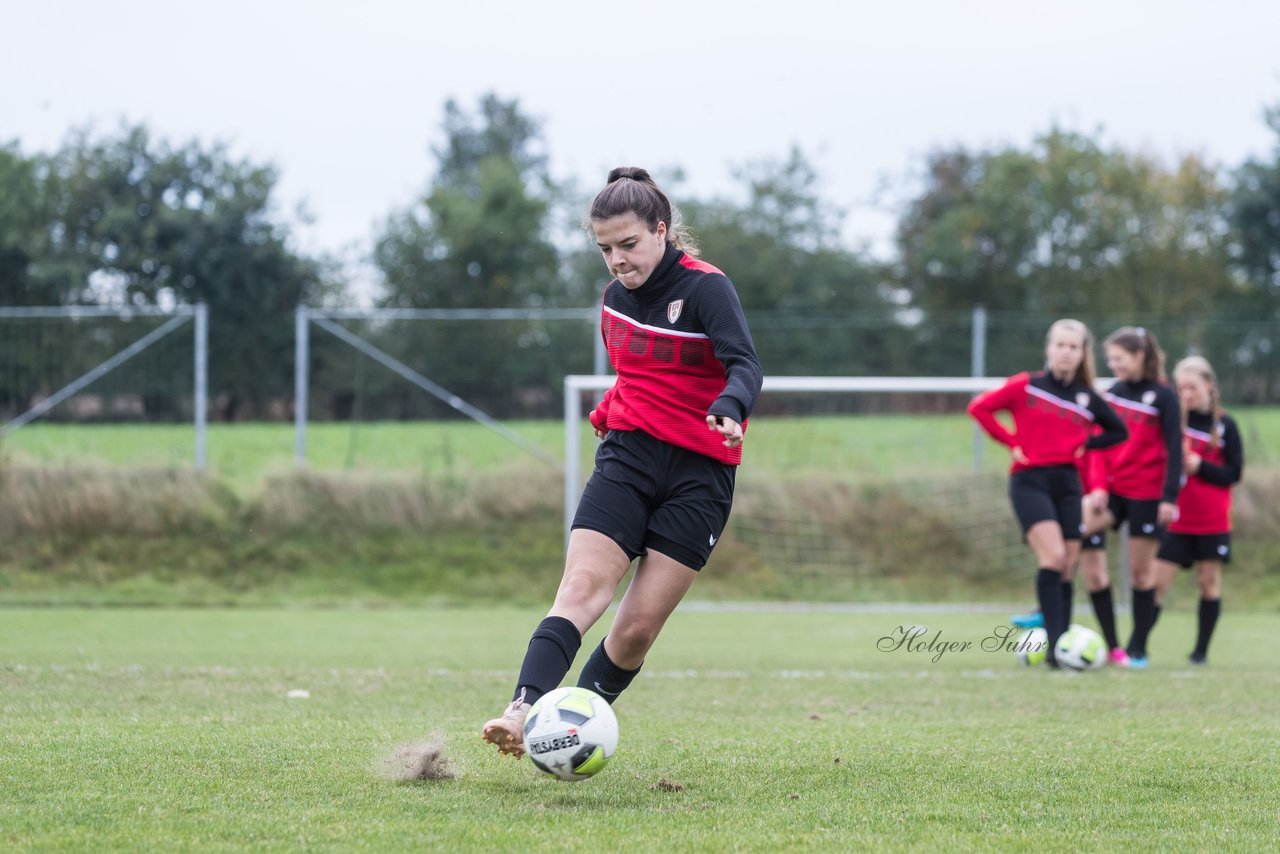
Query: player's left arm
[[1171, 428], [1111, 429], [1231, 470], [720, 313]]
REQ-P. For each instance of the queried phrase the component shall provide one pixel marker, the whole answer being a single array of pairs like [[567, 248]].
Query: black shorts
[[1186, 549], [648, 494], [1045, 494], [1140, 513]]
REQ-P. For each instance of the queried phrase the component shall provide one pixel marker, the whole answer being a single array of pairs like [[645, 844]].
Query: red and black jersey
[[1204, 505], [1052, 420], [682, 351], [1148, 465]]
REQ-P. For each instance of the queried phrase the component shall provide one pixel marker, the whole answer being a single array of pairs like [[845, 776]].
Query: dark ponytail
[[1137, 339], [632, 190]]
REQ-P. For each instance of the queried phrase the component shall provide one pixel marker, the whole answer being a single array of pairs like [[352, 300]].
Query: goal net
[[855, 487]]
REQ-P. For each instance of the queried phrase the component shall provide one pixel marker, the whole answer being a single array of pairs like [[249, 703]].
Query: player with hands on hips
[[1057, 417]]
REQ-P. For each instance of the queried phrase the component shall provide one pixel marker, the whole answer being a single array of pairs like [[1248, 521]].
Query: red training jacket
[[1148, 465], [1052, 421], [1204, 505], [682, 351]]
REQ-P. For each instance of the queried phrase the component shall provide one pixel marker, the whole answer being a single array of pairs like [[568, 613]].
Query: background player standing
[[1054, 414], [1213, 462], [1139, 479]]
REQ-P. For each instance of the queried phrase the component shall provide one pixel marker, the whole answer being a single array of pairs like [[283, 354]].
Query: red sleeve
[[599, 416], [1093, 471], [984, 407]]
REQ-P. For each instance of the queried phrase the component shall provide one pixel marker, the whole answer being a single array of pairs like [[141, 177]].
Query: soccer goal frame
[[576, 384]]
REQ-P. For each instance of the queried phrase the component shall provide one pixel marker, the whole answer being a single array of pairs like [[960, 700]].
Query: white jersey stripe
[[657, 329], [1057, 401], [1196, 434], [1131, 404]]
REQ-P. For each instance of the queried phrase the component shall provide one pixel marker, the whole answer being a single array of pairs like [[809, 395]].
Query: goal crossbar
[[575, 384]]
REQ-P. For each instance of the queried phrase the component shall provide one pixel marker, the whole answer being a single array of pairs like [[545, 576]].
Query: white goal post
[[576, 384]]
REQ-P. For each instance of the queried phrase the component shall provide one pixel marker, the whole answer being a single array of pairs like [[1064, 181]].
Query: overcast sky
[[346, 98]]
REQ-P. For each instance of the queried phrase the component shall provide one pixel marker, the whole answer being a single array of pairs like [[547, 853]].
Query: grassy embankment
[[876, 507]]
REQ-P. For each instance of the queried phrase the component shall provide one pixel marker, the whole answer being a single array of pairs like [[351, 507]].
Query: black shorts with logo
[[1140, 513], [1051, 493], [648, 494], [1186, 549]]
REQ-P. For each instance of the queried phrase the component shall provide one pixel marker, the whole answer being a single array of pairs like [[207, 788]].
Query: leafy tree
[[136, 221], [21, 229], [1067, 227], [1255, 216], [478, 238]]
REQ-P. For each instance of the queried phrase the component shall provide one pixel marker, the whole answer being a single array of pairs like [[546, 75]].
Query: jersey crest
[[673, 310]]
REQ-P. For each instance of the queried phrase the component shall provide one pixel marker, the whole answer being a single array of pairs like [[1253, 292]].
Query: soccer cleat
[[1138, 662], [1197, 659], [507, 732], [1118, 657], [1033, 620]]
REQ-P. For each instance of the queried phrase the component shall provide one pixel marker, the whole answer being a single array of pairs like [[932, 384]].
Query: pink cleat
[[1118, 657], [507, 732]]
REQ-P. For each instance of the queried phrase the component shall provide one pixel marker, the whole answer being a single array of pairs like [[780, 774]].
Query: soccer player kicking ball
[[672, 429], [1213, 463], [1054, 414]]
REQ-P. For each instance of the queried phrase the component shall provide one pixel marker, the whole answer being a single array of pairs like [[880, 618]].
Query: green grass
[[243, 455], [160, 730]]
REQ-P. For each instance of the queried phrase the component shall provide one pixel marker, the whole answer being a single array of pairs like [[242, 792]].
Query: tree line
[[1066, 225]]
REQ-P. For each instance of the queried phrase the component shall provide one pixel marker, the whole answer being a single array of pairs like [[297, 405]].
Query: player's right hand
[[1019, 456]]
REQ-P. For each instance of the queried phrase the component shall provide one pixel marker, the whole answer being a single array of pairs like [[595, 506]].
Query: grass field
[[167, 730], [243, 455]]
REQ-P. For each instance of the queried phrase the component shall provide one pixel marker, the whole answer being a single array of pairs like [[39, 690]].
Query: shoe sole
[[508, 743]]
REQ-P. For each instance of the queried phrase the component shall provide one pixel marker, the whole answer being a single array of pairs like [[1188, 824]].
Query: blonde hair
[[1200, 367], [1085, 373], [631, 189]]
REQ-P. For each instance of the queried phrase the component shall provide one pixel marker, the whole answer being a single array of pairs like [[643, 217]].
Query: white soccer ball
[[1032, 647], [571, 733], [1081, 648]]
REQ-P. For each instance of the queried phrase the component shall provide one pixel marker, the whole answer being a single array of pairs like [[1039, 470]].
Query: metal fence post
[[978, 368], [201, 402], [600, 359], [572, 450], [302, 358]]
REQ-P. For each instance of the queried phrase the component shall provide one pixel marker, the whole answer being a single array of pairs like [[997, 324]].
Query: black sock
[[1105, 610], [1144, 605], [1068, 598], [604, 677], [550, 655], [1049, 592], [1209, 611]]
